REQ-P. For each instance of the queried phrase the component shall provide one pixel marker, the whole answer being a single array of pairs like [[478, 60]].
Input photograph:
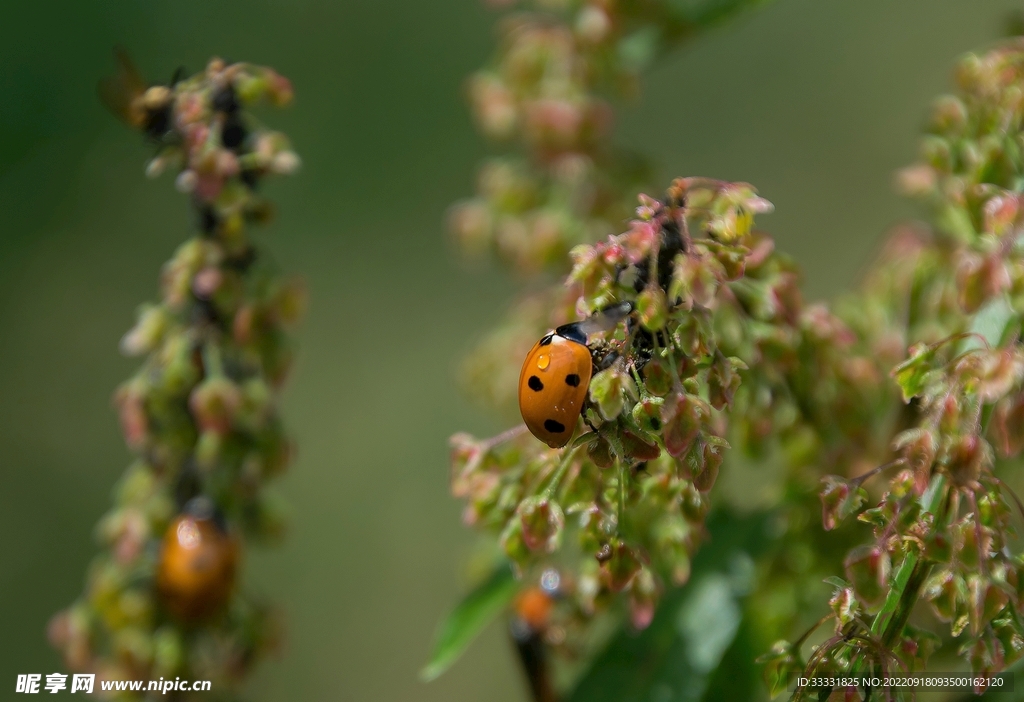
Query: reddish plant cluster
[[200, 416], [721, 351]]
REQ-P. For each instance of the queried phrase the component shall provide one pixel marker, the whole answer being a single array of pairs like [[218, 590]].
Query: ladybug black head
[[203, 508], [572, 332]]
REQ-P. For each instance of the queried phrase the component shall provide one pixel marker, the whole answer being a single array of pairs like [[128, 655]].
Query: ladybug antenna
[[200, 507]]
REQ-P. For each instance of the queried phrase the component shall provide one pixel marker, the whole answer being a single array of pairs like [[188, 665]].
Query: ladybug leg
[[609, 359]]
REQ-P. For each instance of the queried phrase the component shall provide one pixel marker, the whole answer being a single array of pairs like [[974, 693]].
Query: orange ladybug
[[553, 384], [556, 375], [533, 606], [198, 562]]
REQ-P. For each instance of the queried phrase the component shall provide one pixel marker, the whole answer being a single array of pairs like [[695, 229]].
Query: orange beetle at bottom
[[198, 564]]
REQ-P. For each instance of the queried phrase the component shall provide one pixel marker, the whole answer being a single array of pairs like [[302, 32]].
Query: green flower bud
[[652, 308], [844, 603], [214, 404], [208, 450], [647, 414], [608, 390], [949, 116], [147, 333], [600, 452], [712, 454], [937, 153], [657, 377]]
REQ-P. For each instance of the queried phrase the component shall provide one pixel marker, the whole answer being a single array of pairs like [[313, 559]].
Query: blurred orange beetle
[[198, 563]]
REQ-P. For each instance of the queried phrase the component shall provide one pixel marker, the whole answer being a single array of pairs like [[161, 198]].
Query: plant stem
[[910, 577], [563, 466]]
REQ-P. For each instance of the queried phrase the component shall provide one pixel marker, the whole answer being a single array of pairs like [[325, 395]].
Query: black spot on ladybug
[[573, 380], [553, 426], [232, 134], [546, 340], [535, 384]]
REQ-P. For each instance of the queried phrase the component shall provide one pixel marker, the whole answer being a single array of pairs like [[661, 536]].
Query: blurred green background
[[814, 102]]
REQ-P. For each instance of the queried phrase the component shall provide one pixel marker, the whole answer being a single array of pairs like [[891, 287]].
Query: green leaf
[[469, 618], [836, 581], [989, 323], [678, 655], [913, 374]]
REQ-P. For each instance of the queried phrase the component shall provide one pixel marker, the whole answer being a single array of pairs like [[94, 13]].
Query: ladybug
[[533, 608], [198, 562], [556, 375], [530, 627]]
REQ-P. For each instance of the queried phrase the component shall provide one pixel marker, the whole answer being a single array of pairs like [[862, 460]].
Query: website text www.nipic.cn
[[34, 683]]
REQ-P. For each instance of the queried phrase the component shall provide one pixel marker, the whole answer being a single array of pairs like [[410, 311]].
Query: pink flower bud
[[980, 279], [683, 417], [723, 381], [652, 308], [1001, 213], [867, 567], [844, 603], [839, 500], [967, 458], [593, 24], [621, 566], [542, 522], [130, 399], [1008, 425], [643, 599], [639, 449], [206, 282], [214, 403], [918, 448]]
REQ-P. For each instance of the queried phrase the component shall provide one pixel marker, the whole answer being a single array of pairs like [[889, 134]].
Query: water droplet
[[543, 361], [188, 534], [550, 580]]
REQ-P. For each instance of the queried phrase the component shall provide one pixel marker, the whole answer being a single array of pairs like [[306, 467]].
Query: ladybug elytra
[[198, 562], [556, 375]]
